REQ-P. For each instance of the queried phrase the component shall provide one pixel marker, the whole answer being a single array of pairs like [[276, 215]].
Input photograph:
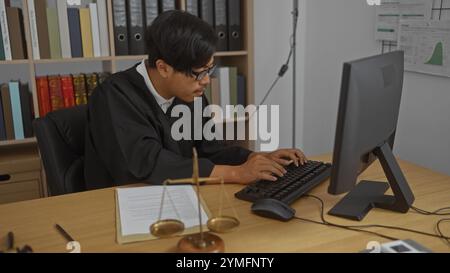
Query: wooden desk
[[90, 218]]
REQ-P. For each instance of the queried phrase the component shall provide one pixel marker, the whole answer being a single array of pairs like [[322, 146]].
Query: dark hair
[[182, 40]]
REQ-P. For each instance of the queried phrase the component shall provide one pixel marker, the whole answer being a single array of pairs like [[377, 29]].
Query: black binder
[[120, 27], [207, 11], [136, 27], [25, 104], [166, 5], [151, 11], [220, 24], [76, 46], [2, 122], [192, 7], [234, 25]]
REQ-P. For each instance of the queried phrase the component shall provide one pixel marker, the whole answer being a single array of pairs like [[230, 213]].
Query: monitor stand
[[371, 194]]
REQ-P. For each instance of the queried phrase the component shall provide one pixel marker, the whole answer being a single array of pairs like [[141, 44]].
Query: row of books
[[58, 29], [55, 92], [133, 17], [61, 29], [227, 87], [16, 111], [12, 35]]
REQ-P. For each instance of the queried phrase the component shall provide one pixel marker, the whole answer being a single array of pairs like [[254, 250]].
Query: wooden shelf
[[218, 54], [14, 62], [231, 53], [243, 59], [130, 58], [18, 142], [73, 60]]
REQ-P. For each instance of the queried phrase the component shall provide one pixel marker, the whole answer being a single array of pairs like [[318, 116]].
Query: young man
[[129, 118]]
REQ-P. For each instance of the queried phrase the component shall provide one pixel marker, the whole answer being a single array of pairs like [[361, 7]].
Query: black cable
[[436, 212], [347, 228], [438, 229], [285, 66], [322, 209]]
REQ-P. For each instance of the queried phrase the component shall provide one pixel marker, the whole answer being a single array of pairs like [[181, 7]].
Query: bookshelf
[[243, 60]]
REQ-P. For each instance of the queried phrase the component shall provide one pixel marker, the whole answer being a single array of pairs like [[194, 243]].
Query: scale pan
[[167, 228], [223, 224]]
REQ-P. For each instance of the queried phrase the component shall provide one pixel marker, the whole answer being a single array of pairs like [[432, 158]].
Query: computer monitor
[[369, 106]]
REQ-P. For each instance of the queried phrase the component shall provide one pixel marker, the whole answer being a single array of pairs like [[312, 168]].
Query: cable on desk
[[436, 212], [346, 228], [438, 229], [440, 235]]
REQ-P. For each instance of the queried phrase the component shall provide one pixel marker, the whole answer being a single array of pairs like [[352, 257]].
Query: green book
[[53, 33], [233, 86], [2, 49], [208, 93]]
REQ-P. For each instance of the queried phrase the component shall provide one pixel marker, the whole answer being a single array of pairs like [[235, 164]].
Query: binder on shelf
[[64, 34], [17, 33], [220, 24], [2, 122], [207, 11], [86, 32], [233, 85], [166, 5], [7, 111], [95, 30], [53, 33], [136, 27], [76, 45], [5, 31], [192, 7], [102, 11], [2, 49], [16, 109], [234, 25], [27, 115], [215, 91], [40, 7], [224, 85], [208, 93], [151, 11], [242, 94], [33, 29], [120, 27]]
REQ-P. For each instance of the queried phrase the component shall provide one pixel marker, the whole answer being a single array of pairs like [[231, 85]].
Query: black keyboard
[[295, 183]]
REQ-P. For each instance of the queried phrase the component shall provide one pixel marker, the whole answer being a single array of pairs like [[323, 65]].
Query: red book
[[56, 96], [67, 91], [43, 95]]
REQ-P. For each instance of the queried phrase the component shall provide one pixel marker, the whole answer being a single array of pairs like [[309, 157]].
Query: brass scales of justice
[[203, 242]]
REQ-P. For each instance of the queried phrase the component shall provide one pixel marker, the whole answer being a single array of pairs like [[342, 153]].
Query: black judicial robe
[[128, 138]]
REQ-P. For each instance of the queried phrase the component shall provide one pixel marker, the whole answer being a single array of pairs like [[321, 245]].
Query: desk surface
[[90, 218]]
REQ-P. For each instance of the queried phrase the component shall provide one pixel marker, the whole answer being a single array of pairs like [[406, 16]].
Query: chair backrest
[[60, 136]]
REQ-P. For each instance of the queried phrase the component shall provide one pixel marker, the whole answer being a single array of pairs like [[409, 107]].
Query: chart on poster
[[426, 45]]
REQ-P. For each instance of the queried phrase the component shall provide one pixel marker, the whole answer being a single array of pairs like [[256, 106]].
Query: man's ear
[[164, 69]]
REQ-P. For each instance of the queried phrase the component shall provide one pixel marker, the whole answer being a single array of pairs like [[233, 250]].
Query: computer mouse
[[272, 208]]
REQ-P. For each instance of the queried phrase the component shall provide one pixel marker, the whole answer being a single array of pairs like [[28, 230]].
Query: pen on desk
[[64, 233]]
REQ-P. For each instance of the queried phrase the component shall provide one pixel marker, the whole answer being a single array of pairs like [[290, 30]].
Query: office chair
[[60, 136]]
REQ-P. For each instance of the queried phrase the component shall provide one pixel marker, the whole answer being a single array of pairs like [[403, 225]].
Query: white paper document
[[139, 208], [390, 12], [426, 45]]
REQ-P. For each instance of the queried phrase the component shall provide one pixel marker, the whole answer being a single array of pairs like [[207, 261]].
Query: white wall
[[332, 32], [336, 31], [272, 23]]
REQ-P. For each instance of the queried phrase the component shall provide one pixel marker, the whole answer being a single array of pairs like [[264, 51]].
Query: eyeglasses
[[202, 74]]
